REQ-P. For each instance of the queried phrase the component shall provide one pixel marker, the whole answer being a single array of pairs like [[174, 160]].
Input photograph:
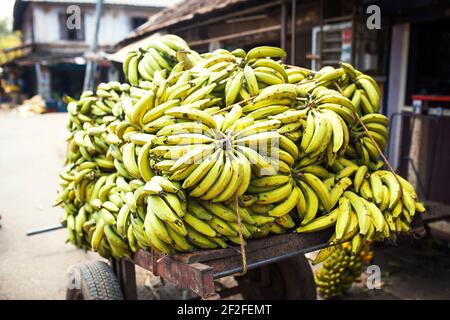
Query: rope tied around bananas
[[231, 106], [241, 238], [386, 161]]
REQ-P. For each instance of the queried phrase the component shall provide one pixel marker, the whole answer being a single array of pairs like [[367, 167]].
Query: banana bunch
[[361, 89], [297, 74], [169, 160], [158, 55], [341, 269], [361, 146], [364, 204]]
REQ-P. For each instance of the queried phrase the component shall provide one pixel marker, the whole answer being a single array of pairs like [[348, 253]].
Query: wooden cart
[[277, 269]]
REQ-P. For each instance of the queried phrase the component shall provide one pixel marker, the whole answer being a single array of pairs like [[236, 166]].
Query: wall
[[115, 23]]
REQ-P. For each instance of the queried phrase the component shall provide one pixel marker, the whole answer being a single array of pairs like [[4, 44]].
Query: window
[[138, 21], [70, 34]]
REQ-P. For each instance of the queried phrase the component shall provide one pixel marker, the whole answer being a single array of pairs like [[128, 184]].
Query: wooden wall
[[307, 16]]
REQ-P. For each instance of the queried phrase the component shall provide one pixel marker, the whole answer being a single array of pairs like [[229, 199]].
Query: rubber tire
[[96, 281], [290, 279]]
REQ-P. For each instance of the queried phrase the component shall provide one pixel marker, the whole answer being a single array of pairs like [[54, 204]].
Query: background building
[[53, 53]]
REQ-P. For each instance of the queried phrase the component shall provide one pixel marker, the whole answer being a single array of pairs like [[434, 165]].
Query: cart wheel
[[291, 279], [94, 280]]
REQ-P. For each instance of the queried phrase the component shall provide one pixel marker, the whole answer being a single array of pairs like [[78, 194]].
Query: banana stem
[[241, 237], [381, 154]]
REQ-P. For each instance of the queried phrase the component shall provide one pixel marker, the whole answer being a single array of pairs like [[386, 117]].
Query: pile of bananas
[[341, 269], [206, 150]]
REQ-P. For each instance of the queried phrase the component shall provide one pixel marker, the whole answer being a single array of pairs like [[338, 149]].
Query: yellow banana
[[287, 205], [199, 225], [360, 208], [311, 204], [338, 189], [250, 81], [235, 181], [360, 175], [222, 181], [264, 52], [343, 217], [221, 227], [279, 194], [317, 185], [220, 211], [210, 178], [320, 223], [184, 112], [234, 88]]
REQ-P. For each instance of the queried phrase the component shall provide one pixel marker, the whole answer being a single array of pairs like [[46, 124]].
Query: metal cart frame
[[197, 270]]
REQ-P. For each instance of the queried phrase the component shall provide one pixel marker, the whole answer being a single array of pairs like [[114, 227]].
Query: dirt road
[[30, 158]]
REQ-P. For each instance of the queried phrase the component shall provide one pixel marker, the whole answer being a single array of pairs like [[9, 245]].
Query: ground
[[32, 151]]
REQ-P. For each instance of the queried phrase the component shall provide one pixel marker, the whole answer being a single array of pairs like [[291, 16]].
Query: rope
[[241, 238], [386, 161], [231, 106]]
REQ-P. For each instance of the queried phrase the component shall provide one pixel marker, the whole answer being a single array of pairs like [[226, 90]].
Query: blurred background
[[53, 48]]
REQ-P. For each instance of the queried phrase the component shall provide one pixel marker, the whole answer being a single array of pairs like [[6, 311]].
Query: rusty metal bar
[[269, 261], [32, 232], [293, 31], [283, 25]]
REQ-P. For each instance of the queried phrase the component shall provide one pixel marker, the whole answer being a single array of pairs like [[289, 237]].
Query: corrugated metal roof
[[183, 11], [143, 3], [187, 10]]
